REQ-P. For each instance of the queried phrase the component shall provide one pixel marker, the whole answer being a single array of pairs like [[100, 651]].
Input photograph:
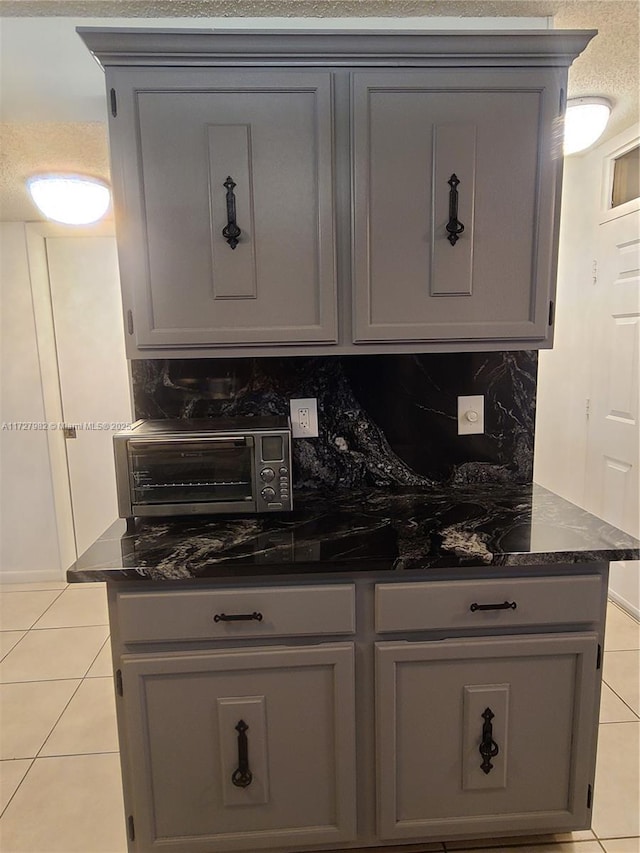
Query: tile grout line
[[34, 625], [617, 837], [15, 646], [44, 628], [80, 680], [42, 745], [86, 675], [47, 608], [30, 627], [608, 651], [52, 628], [66, 627], [624, 702], [62, 627], [19, 785], [52, 680], [44, 758], [33, 588], [513, 841], [77, 754]]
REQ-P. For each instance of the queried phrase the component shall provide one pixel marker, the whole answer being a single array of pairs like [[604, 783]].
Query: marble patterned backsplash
[[383, 419]]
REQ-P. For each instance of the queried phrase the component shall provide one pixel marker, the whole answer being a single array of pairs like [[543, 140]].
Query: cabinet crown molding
[[204, 47]]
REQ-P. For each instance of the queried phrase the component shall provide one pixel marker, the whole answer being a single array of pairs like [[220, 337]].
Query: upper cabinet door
[[200, 153], [455, 188]]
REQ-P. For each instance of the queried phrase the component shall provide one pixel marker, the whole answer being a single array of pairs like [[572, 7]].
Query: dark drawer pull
[[238, 617], [506, 605]]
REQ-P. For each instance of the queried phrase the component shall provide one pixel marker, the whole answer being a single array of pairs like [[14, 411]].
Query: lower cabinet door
[[241, 749], [485, 735]]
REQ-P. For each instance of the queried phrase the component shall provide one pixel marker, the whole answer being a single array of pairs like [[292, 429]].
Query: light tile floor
[[59, 773]]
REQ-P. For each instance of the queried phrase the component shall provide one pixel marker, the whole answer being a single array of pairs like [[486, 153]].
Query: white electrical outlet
[[471, 415], [304, 417]]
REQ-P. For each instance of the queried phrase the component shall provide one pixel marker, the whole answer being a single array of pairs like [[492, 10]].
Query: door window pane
[[626, 177]]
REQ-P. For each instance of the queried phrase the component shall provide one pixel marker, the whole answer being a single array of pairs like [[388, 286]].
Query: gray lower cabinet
[[485, 735], [305, 716], [241, 749], [455, 175], [226, 234]]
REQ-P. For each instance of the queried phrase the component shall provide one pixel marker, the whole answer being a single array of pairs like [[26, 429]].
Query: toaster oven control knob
[[268, 493], [284, 471], [267, 474]]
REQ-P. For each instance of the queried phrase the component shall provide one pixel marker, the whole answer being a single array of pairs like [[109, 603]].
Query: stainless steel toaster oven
[[201, 467]]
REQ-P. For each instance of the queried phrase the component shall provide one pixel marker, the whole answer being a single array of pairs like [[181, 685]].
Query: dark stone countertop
[[356, 531]]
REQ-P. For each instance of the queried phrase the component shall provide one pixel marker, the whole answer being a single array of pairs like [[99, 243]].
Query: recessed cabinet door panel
[[271, 136], [242, 749], [454, 192], [528, 702]]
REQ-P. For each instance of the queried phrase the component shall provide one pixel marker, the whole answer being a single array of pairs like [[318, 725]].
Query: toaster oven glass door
[[190, 471]]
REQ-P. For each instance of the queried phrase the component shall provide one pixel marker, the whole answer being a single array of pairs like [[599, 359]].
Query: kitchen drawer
[[191, 614], [430, 606]]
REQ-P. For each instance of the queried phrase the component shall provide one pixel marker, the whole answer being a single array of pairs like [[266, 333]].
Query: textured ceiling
[[609, 66], [29, 147], [278, 8]]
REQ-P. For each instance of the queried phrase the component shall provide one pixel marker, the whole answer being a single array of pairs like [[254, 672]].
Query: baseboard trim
[[37, 576], [625, 605]]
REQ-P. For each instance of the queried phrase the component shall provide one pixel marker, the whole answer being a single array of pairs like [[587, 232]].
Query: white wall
[[624, 585], [28, 535], [63, 361], [564, 375], [564, 371]]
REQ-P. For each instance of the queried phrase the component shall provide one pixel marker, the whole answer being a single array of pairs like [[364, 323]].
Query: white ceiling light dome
[[584, 122], [69, 198]]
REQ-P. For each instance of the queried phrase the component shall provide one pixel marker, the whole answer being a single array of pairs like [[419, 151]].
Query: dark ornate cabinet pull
[[506, 605], [231, 232], [238, 617], [242, 777], [488, 748], [454, 226]]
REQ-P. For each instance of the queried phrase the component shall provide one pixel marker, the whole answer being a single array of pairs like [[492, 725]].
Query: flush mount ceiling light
[[70, 199], [584, 122]]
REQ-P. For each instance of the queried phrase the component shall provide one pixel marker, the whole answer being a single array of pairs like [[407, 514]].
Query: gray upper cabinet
[[430, 145], [181, 134], [349, 154]]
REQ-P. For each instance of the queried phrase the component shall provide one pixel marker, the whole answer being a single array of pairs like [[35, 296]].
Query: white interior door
[[94, 377], [613, 438], [613, 435]]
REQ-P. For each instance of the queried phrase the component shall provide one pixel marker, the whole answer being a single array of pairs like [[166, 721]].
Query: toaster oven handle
[[230, 440]]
